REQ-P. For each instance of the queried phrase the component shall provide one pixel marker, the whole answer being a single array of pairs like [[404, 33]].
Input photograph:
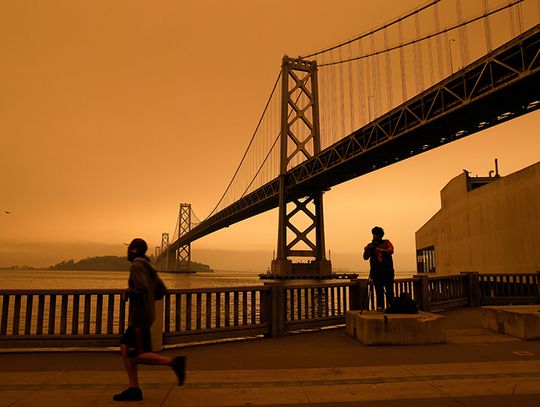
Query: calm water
[[65, 279], [55, 279]]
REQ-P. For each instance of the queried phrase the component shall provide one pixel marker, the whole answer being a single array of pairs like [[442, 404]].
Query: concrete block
[[376, 328], [522, 321], [349, 322]]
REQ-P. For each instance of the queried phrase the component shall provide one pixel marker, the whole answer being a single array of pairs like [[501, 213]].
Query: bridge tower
[[164, 263], [183, 254], [300, 213]]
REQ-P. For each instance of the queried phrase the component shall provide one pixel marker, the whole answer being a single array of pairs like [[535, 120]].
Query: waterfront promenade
[[327, 368]]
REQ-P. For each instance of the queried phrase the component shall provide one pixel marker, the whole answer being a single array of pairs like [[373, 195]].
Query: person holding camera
[[379, 252]]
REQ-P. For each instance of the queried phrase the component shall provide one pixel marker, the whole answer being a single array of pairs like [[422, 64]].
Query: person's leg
[[133, 392], [389, 288], [130, 365], [178, 364], [151, 358], [147, 357], [379, 291]]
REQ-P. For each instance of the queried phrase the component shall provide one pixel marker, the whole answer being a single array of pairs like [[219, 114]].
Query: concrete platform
[[377, 328], [522, 321]]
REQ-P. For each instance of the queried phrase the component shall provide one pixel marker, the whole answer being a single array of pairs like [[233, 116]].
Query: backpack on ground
[[404, 304]]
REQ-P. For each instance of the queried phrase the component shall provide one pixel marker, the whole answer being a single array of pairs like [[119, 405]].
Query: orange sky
[[114, 112]]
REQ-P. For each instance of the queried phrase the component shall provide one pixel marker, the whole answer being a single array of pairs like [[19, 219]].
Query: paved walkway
[[328, 368]]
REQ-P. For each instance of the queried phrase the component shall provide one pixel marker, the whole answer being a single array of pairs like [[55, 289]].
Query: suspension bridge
[[443, 71]]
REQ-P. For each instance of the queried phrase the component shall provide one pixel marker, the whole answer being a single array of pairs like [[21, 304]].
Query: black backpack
[[404, 304]]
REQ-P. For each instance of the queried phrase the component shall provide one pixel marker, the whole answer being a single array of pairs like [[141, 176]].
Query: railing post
[[421, 291], [273, 307], [472, 287], [156, 329], [358, 298]]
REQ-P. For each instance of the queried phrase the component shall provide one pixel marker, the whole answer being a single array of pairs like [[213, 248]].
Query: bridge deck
[[498, 87]]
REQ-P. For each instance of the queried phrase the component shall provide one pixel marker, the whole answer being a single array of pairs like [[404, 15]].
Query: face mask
[[132, 255]]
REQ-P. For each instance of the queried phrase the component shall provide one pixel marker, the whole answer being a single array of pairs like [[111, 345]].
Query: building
[[485, 224]]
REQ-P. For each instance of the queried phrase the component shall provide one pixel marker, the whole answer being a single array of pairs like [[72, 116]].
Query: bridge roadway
[[327, 368], [498, 87]]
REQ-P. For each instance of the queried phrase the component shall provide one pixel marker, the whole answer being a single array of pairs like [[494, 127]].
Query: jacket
[[141, 293]]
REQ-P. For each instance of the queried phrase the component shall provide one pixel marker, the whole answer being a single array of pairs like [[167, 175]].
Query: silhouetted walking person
[[379, 252], [136, 346]]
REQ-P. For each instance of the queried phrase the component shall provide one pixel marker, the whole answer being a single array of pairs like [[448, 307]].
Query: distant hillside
[[98, 263], [109, 263]]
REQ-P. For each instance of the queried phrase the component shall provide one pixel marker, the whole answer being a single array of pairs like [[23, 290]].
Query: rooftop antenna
[[496, 169]]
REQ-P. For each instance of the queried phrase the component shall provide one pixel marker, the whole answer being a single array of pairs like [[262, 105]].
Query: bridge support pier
[[301, 225], [313, 268]]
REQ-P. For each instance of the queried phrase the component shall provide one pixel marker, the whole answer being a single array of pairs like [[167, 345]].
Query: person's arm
[[137, 281], [389, 248], [367, 251]]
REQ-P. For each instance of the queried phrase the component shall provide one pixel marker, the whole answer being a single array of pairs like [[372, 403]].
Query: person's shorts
[[137, 340]]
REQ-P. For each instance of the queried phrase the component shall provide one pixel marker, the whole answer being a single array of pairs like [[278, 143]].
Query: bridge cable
[[463, 36], [388, 65], [341, 94], [262, 165], [269, 152], [402, 64], [487, 27], [351, 94], [417, 53], [361, 87], [438, 41], [384, 26], [443, 31], [248, 147]]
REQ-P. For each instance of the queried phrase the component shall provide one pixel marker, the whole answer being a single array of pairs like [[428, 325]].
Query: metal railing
[[43, 318], [202, 314], [97, 318], [315, 305], [509, 288]]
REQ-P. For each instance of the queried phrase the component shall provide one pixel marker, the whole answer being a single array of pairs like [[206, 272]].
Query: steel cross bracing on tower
[[164, 252], [301, 216], [499, 86], [183, 254]]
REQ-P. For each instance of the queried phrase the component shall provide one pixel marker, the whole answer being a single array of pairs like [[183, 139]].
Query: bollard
[[359, 299], [472, 287], [274, 308], [538, 283], [421, 291]]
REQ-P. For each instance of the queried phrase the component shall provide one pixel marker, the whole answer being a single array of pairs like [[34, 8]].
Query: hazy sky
[[114, 112]]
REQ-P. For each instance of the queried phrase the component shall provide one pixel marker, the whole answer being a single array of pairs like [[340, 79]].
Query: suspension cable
[[248, 147], [269, 152], [195, 216], [382, 27], [262, 165], [428, 36]]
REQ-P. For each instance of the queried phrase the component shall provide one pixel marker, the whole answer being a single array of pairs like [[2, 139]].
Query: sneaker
[[179, 367], [130, 394]]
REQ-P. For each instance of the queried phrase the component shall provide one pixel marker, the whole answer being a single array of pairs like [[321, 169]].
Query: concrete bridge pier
[[313, 268]]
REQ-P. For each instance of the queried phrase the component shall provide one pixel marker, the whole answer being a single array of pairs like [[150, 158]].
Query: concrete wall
[[494, 228]]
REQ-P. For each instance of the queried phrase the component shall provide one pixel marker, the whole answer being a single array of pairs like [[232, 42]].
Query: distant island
[[110, 263]]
